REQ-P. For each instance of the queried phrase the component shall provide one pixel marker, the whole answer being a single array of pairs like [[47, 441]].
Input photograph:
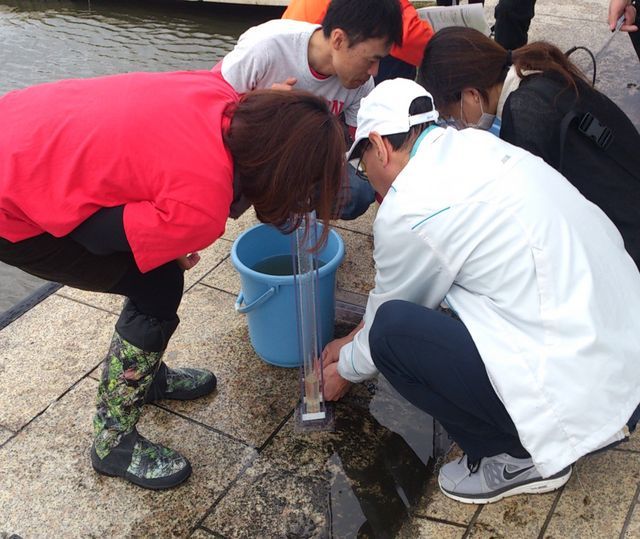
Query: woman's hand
[[334, 386], [188, 261]]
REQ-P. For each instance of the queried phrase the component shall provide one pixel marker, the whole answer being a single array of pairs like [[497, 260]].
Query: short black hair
[[418, 106], [365, 19]]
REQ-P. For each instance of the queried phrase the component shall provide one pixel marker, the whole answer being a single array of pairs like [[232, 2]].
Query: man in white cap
[[537, 365]]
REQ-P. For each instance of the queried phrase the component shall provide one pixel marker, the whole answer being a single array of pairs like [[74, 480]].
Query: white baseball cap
[[386, 110]]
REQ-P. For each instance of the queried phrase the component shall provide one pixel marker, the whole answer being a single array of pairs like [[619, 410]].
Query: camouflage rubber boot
[[118, 449], [180, 384]]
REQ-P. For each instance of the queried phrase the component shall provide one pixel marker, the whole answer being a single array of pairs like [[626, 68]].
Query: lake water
[[44, 41]]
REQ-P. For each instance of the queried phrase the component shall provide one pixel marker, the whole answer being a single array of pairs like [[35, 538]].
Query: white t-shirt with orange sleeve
[[272, 52]]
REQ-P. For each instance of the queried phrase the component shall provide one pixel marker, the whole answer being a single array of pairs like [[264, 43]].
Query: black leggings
[[73, 261]]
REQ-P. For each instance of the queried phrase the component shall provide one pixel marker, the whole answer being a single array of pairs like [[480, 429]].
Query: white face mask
[[484, 122]]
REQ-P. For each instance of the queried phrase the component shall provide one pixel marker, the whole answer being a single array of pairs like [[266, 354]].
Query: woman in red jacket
[[113, 184]]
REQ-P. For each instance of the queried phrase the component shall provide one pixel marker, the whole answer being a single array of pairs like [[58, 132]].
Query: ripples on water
[[44, 41]]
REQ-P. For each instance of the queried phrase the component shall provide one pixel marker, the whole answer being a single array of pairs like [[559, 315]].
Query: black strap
[[588, 124]]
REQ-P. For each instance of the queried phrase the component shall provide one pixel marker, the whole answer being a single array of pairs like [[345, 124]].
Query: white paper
[[469, 15]]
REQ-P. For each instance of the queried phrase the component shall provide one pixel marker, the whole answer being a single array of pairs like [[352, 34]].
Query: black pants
[[513, 18], [432, 361], [393, 68], [151, 313]]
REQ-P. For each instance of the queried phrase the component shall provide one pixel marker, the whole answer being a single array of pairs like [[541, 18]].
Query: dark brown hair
[[288, 153], [457, 58]]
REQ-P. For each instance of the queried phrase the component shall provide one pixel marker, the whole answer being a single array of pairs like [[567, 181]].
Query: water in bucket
[[280, 265], [269, 301]]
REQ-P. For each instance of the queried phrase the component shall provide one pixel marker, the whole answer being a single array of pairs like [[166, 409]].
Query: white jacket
[[537, 273]]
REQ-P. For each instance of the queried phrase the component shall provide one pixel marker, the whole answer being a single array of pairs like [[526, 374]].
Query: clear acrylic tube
[[305, 266]]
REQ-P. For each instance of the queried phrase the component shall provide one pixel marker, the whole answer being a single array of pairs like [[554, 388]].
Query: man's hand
[[188, 261], [622, 7], [331, 352], [335, 386], [286, 85]]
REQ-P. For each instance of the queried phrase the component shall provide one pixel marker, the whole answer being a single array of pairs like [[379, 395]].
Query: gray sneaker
[[494, 478]]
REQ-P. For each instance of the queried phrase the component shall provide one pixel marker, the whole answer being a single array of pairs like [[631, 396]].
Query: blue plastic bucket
[[269, 300]]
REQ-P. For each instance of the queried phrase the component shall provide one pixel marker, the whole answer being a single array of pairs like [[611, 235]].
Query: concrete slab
[[590, 10], [236, 226], [252, 398], [201, 534], [45, 352], [421, 527], [634, 442], [5, 434], [48, 488], [363, 224], [633, 527], [597, 498], [436, 505], [517, 517], [357, 272], [111, 303], [324, 484]]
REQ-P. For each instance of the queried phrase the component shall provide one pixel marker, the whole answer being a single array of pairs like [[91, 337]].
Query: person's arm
[[416, 33], [618, 8], [408, 267]]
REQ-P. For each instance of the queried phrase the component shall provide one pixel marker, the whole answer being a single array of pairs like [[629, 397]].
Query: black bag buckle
[[598, 133]]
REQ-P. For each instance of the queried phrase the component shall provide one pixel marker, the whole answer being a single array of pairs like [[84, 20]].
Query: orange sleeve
[[415, 35], [307, 10], [415, 32]]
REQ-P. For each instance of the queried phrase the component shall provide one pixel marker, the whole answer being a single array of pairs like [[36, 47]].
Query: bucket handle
[[254, 304]]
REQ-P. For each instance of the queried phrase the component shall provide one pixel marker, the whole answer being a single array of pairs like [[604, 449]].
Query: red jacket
[[415, 32], [149, 141]]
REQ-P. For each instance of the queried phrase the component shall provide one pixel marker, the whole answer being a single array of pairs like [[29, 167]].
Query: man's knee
[[387, 321]]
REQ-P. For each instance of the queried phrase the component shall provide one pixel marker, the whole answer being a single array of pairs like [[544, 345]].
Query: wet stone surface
[[361, 480]]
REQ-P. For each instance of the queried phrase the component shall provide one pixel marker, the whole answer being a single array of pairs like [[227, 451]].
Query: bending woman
[[540, 96], [113, 184]]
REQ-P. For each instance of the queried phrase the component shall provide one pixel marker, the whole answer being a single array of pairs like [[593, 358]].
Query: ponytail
[[457, 58]]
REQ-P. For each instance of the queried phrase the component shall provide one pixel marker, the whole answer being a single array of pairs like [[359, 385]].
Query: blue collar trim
[[420, 139]]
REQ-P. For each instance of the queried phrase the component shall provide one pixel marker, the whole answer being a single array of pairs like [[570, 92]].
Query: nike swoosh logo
[[512, 475]]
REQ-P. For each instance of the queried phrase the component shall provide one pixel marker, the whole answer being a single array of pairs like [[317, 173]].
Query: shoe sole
[[539, 487], [159, 483], [149, 484]]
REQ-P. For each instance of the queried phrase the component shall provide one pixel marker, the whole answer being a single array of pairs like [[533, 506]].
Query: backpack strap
[[588, 124]]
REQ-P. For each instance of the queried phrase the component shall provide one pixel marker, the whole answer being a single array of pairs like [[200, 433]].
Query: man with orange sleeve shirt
[[402, 60]]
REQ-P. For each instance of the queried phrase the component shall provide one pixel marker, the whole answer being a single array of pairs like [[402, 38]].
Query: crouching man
[[537, 366]]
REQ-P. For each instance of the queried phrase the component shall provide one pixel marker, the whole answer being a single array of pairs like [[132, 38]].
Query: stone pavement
[[254, 475]]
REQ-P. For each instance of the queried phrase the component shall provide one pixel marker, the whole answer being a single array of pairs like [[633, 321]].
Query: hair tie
[[508, 62]]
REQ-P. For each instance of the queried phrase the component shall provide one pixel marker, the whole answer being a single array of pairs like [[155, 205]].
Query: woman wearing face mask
[[525, 96]]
